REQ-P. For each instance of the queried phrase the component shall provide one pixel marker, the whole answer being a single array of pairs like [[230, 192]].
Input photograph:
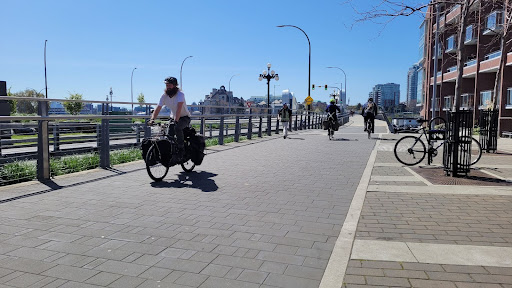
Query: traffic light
[[313, 87], [325, 87]]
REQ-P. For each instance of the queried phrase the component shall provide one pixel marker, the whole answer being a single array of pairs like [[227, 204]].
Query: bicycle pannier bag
[[198, 144], [145, 145], [326, 124], [165, 149], [335, 125]]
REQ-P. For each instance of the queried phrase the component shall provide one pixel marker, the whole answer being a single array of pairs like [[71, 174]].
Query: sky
[[93, 45]]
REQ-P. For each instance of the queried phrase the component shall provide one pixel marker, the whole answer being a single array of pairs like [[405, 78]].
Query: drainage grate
[[437, 176]]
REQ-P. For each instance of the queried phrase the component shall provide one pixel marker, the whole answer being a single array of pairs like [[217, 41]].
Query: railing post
[[237, 129], [294, 123], [221, 131], [105, 143], [56, 137], [259, 129], [249, 128], [300, 126], [211, 130], [201, 129], [277, 126], [98, 136], [137, 133], [43, 151]]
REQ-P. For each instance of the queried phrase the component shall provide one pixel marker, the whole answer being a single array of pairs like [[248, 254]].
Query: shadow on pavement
[[293, 138], [198, 180], [344, 139]]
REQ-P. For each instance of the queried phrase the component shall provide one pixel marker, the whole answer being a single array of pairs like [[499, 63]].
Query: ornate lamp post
[[268, 75]]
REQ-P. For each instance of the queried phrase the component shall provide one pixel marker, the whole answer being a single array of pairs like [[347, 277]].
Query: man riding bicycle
[[369, 112], [174, 99], [332, 117]]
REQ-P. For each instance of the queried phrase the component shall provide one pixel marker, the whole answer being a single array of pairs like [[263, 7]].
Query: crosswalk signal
[[313, 87], [325, 87]]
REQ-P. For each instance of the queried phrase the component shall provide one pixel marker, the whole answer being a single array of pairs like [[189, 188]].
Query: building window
[[469, 33], [485, 99], [464, 100], [494, 21], [450, 44], [509, 97], [447, 103]]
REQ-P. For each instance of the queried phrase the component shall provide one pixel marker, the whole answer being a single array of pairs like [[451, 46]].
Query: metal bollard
[[237, 129]]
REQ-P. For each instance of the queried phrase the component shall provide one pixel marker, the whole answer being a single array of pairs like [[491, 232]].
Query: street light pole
[[181, 69], [131, 83], [309, 73], [345, 80], [268, 75], [45, 79], [229, 86]]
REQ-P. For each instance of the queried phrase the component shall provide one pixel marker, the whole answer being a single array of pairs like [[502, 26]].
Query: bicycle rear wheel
[[156, 170], [476, 151], [188, 166], [410, 150]]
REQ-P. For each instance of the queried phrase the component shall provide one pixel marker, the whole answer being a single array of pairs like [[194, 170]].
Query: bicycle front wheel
[[369, 128], [410, 150], [156, 170]]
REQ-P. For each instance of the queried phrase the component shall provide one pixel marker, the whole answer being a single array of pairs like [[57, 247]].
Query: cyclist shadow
[[197, 180]]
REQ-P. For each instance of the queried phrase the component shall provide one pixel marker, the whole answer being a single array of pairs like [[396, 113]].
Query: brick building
[[481, 55]]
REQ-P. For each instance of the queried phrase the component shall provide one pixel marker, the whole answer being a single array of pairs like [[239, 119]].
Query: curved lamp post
[[131, 83], [181, 69], [268, 75], [341, 92], [229, 86], [309, 73]]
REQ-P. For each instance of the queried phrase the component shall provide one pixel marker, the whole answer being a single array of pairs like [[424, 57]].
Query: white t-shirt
[[172, 104]]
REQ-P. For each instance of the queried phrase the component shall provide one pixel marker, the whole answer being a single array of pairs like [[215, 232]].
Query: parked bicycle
[[158, 151], [411, 150]]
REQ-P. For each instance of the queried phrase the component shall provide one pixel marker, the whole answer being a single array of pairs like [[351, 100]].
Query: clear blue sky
[[94, 45]]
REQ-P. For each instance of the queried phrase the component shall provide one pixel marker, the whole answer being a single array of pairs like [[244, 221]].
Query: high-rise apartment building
[[481, 54], [386, 95], [412, 86]]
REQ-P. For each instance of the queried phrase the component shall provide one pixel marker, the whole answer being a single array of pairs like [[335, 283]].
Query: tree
[[12, 103], [358, 106], [74, 107], [141, 99], [26, 106]]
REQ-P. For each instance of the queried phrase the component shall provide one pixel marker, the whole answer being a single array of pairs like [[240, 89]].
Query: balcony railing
[[470, 63], [492, 55], [451, 69]]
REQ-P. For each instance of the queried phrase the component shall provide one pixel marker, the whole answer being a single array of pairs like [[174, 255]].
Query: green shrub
[[125, 156], [19, 171]]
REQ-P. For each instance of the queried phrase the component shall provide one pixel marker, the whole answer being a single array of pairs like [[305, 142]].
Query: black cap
[[171, 80]]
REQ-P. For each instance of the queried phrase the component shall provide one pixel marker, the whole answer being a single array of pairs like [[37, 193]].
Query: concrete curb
[[337, 265]]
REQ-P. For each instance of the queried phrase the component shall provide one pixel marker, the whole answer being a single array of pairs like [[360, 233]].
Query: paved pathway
[[256, 214], [414, 233]]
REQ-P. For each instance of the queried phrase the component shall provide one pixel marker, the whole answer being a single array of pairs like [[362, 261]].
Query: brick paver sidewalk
[[255, 214], [412, 233]]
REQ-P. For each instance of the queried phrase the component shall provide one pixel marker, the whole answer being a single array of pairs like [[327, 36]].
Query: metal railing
[[89, 139]]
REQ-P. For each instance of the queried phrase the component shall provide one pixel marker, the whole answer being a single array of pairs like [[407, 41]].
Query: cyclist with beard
[[174, 99]]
